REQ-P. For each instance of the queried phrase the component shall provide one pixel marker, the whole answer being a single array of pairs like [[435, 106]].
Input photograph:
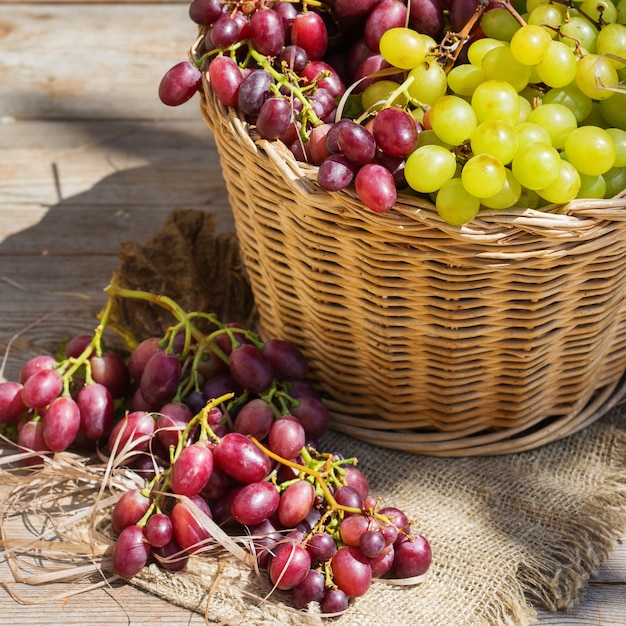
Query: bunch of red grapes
[[225, 432], [285, 65]]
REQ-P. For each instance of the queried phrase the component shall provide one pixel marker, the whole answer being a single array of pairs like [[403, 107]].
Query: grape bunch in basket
[[475, 105]]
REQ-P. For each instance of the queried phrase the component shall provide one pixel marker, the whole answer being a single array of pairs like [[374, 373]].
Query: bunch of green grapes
[[534, 113]]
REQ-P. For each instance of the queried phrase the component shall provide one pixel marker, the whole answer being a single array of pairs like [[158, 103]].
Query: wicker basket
[[496, 337]]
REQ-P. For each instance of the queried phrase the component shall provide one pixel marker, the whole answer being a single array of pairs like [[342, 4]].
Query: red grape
[[413, 556], [61, 423], [97, 410], [295, 503], [12, 406], [41, 388], [191, 470], [131, 552], [179, 84], [241, 459], [376, 187], [129, 509], [290, 567], [309, 32], [352, 572], [255, 503]]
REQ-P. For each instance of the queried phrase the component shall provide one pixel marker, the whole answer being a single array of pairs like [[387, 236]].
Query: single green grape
[[405, 48], [558, 66], [483, 176], [590, 150], [598, 10], [496, 100], [499, 23], [376, 95], [453, 119], [428, 167], [529, 132], [564, 188], [464, 78], [536, 165], [548, 16], [479, 48], [500, 64], [619, 140], [455, 205], [429, 82], [495, 138], [578, 31], [612, 40], [613, 110], [593, 74], [592, 186], [571, 97], [557, 119], [530, 44], [615, 180], [508, 196]]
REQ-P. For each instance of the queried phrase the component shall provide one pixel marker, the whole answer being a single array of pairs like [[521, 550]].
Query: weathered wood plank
[[101, 60]]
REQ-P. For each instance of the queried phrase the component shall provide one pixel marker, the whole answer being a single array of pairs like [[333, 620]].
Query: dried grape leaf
[[188, 262]]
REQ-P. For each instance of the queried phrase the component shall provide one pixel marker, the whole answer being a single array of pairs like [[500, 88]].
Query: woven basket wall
[[495, 337]]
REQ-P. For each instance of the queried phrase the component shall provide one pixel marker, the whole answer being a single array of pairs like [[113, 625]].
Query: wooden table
[[89, 158]]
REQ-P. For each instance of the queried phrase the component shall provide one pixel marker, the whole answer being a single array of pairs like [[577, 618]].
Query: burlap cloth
[[508, 532]]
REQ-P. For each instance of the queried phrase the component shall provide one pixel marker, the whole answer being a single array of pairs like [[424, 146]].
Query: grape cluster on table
[[225, 432], [468, 103]]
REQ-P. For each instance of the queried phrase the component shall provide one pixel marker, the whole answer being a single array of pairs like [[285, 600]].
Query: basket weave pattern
[[494, 337]]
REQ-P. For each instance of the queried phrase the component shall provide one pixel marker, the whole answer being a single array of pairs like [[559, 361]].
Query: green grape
[[479, 48], [558, 66], [429, 138], [428, 167], [496, 100], [564, 188], [531, 5], [483, 176], [557, 119], [375, 96], [572, 98], [615, 180], [619, 140], [536, 165], [463, 79], [595, 117], [621, 12], [598, 10], [500, 64], [530, 44], [591, 187], [614, 110], [495, 138], [580, 32], [525, 109], [405, 48], [507, 197], [593, 74], [548, 16], [527, 132], [455, 205], [499, 24], [612, 40], [590, 150], [453, 119], [429, 82]]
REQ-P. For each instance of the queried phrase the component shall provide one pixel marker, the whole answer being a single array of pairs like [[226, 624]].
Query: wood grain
[[89, 158]]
